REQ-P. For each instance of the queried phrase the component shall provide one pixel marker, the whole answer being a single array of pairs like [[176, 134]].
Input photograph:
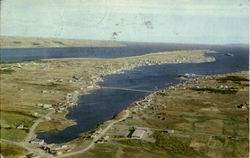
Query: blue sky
[[179, 21]]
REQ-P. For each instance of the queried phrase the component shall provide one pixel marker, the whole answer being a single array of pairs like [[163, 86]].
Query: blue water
[[132, 49], [102, 104]]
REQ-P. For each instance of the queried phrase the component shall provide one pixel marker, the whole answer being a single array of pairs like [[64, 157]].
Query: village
[[53, 94], [119, 131]]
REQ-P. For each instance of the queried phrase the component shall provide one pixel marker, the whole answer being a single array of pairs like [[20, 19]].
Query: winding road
[[33, 127], [103, 132], [26, 145]]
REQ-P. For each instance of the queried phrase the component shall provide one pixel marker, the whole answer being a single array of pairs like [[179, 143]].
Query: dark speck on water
[[102, 104]]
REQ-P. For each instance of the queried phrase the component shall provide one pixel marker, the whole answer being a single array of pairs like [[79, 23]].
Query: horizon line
[[122, 41]]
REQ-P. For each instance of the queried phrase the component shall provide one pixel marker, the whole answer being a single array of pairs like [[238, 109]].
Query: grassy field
[[57, 82], [100, 151], [26, 84], [11, 151]]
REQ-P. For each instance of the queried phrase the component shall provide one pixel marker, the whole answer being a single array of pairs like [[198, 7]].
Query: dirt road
[[96, 138]]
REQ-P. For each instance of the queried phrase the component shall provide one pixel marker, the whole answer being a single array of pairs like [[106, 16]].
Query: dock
[[128, 89]]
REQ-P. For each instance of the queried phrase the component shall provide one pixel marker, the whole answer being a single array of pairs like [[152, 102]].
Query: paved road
[[95, 139]]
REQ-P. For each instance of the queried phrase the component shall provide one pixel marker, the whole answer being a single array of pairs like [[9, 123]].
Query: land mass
[[197, 118], [35, 94], [29, 42], [201, 117]]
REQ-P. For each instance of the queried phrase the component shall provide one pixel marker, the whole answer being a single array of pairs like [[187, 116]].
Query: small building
[[21, 126], [37, 141], [138, 133], [47, 106], [40, 105], [59, 147], [171, 131], [55, 152], [35, 114]]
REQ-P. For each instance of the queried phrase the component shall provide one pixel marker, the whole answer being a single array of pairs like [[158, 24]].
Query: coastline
[[120, 117], [138, 106], [137, 63], [38, 81]]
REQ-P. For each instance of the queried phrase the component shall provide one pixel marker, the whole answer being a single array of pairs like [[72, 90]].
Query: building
[[37, 141], [138, 133], [171, 131], [21, 126]]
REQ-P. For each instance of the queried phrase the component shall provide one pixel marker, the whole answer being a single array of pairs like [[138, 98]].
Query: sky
[[178, 21]]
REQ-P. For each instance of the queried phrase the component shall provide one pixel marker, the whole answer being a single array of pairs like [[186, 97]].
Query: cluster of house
[[60, 107], [188, 75], [46, 106], [141, 105], [222, 87], [54, 149], [97, 132], [102, 140], [68, 99]]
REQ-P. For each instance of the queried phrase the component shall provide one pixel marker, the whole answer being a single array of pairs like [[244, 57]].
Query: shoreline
[[137, 106], [130, 109], [95, 86], [104, 67]]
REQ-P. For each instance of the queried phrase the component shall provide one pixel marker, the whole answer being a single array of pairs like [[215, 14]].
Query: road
[[97, 138], [25, 144], [27, 147], [33, 127]]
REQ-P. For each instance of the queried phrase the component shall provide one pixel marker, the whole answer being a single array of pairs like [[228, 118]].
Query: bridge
[[128, 89]]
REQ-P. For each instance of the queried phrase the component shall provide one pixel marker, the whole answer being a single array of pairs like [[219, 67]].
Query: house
[[170, 131], [46, 106], [40, 105], [37, 141], [138, 133], [21, 126], [59, 147], [55, 152]]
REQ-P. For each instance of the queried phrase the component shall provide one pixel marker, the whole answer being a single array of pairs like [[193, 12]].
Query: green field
[[207, 123]]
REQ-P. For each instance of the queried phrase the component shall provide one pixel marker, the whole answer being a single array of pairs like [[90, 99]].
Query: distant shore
[[31, 42]]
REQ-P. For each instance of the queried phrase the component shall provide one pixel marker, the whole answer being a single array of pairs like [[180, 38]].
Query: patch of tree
[[7, 71], [17, 42], [35, 43], [232, 78], [214, 90], [58, 42]]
